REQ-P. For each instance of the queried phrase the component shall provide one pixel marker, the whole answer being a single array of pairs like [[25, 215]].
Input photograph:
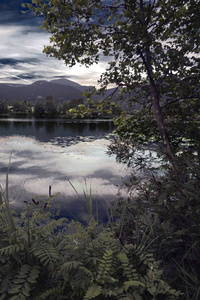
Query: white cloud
[[25, 45]]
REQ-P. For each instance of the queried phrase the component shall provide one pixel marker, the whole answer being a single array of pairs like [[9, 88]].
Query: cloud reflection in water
[[36, 165]]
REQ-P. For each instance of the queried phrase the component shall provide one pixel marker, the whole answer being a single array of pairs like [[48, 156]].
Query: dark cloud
[[9, 61], [12, 13], [31, 76], [67, 76], [14, 62]]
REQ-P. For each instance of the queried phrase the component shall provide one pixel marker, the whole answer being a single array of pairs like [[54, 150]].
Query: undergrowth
[[43, 257]]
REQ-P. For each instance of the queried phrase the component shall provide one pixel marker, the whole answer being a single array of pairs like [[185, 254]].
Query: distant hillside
[[64, 90], [73, 84], [60, 89]]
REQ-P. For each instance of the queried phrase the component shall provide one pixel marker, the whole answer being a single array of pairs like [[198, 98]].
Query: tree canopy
[[152, 48], [3, 106]]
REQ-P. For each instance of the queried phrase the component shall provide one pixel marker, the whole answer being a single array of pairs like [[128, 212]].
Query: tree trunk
[[159, 120], [155, 102]]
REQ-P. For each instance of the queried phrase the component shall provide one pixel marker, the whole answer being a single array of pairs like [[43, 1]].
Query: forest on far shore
[[75, 108]]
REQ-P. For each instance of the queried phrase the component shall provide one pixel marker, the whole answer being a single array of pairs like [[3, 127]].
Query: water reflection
[[22, 125], [35, 166], [51, 153], [39, 125], [4, 124], [92, 127], [50, 127], [44, 130]]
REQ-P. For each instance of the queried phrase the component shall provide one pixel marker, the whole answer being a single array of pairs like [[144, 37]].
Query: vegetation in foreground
[[43, 257], [148, 249]]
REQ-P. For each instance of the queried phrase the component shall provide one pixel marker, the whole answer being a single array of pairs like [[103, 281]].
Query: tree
[[65, 107], [38, 107], [153, 50], [3, 106], [50, 106], [20, 106], [74, 103]]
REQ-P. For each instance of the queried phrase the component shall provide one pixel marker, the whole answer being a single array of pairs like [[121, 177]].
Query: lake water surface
[[59, 154]]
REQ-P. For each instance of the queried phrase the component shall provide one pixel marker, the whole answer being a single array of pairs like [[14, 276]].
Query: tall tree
[[38, 107], [50, 106], [153, 50], [3, 106]]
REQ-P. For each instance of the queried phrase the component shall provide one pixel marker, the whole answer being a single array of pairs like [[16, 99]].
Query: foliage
[[50, 258], [38, 107], [3, 106], [94, 109], [152, 48], [50, 106], [73, 103], [19, 106], [163, 215]]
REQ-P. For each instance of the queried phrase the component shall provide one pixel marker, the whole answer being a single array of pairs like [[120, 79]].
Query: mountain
[[73, 84], [61, 89]]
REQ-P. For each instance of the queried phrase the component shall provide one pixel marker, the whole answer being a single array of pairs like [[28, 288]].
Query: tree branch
[[176, 100]]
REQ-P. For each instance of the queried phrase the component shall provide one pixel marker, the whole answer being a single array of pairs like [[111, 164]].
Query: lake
[[69, 156]]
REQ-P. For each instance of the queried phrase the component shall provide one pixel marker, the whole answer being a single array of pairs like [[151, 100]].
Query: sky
[[21, 45]]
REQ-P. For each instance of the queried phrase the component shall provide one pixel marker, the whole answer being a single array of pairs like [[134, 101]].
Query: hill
[[60, 89]]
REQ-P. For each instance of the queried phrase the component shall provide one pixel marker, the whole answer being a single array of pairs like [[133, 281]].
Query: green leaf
[[93, 292]]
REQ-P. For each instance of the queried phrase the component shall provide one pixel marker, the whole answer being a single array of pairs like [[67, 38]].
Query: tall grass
[[5, 200]]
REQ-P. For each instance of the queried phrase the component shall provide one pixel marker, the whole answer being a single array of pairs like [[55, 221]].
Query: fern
[[70, 265], [22, 281], [86, 272], [46, 253], [11, 249], [52, 226], [128, 269], [132, 283], [45, 259], [48, 293], [93, 291], [105, 264]]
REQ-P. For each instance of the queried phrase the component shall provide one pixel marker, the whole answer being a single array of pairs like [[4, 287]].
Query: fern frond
[[20, 284], [132, 283], [52, 226], [105, 264], [11, 249], [68, 266], [45, 295], [108, 241], [5, 283], [46, 253], [129, 271], [87, 272], [93, 291], [33, 274]]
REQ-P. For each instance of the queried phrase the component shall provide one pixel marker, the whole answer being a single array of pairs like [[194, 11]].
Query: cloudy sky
[[21, 45]]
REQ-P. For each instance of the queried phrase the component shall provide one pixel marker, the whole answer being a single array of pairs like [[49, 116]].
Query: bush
[[163, 214]]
